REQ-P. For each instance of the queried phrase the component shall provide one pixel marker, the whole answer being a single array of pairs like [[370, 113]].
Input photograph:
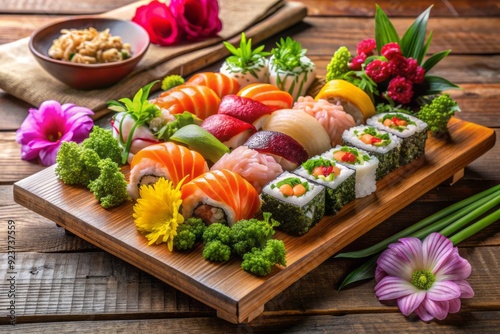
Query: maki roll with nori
[[363, 163], [295, 202], [385, 146], [339, 181], [411, 130]]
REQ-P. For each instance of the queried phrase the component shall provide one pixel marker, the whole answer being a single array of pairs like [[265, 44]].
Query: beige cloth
[[22, 77]]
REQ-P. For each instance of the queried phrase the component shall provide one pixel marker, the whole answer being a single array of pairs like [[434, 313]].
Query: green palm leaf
[[384, 29], [413, 41]]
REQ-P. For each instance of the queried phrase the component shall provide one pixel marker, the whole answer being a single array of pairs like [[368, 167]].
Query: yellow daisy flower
[[156, 212]]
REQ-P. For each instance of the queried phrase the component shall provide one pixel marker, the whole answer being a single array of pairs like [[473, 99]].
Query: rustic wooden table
[[67, 285]]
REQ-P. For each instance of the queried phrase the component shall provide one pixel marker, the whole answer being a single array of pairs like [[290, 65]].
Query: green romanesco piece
[[260, 262], [104, 144], [438, 112], [171, 81], [76, 165], [188, 233], [110, 188], [339, 64], [247, 234], [216, 251]]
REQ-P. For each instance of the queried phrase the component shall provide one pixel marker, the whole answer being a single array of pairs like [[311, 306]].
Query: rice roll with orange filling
[[411, 130], [295, 202], [339, 181], [363, 163], [381, 144]]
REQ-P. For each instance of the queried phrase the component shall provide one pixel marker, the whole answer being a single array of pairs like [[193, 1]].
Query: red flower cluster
[[181, 20], [393, 70]]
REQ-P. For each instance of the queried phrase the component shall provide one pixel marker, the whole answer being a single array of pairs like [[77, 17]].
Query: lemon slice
[[354, 100]]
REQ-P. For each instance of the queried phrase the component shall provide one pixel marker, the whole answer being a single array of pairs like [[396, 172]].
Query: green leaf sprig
[[140, 109], [288, 54], [244, 57], [447, 221]]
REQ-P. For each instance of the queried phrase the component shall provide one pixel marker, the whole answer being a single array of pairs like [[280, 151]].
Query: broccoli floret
[[188, 233], [110, 188], [171, 81], [251, 233], [339, 64], [216, 251], [76, 165], [261, 261], [218, 231], [438, 112], [104, 144]]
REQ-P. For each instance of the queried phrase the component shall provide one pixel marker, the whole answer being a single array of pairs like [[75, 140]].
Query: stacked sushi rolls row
[[411, 130]]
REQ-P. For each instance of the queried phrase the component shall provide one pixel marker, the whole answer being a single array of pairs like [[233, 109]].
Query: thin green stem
[[439, 220], [476, 227]]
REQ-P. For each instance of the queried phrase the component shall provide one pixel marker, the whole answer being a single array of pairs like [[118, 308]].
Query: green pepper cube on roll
[[338, 180], [295, 202], [381, 144], [411, 130]]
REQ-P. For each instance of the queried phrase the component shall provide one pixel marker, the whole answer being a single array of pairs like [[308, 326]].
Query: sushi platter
[[237, 295]]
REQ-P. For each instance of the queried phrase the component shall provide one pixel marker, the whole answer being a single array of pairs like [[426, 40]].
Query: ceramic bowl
[[89, 76]]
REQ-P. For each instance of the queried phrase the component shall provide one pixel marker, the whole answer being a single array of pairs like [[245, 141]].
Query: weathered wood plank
[[98, 284]]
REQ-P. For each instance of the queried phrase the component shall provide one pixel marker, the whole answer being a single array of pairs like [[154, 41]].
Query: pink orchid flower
[[45, 128], [426, 277]]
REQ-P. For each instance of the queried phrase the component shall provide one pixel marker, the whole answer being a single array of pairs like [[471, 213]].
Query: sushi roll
[[385, 146], [411, 130], [219, 196], [363, 163], [165, 160], [339, 181], [295, 202]]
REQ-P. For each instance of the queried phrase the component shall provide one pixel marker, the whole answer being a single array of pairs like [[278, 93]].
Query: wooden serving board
[[236, 295]]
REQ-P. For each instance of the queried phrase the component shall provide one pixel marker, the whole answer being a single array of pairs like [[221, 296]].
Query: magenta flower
[[357, 62], [400, 90], [366, 46], [378, 70], [426, 277], [391, 50], [157, 19], [45, 128], [198, 18]]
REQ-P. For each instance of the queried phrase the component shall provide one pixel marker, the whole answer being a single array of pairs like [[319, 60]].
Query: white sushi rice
[[410, 130], [365, 171], [345, 172], [299, 201], [350, 137], [144, 167], [190, 203]]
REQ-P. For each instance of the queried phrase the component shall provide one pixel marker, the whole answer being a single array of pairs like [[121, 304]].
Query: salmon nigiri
[[219, 196], [197, 99], [220, 83], [268, 94], [168, 160]]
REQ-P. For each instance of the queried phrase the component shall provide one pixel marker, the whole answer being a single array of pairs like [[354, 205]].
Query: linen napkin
[[22, 77]]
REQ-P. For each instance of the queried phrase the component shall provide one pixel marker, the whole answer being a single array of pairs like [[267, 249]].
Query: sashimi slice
[[268, 94], [220, 83]]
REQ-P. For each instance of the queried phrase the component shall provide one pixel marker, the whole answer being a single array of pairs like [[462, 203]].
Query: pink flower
[[400, 90], [426, 277], [366, 46], [357, 62], [44, 129], [391, 50], [378, 70], [397, 66], [157, 19], [198, 18], [413, 71]]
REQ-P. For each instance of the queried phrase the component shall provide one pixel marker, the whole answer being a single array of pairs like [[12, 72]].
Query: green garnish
[[287, 54], [140, 109], [385, 139], [244, 57], [292, 181], [171, 81], [170, 128]]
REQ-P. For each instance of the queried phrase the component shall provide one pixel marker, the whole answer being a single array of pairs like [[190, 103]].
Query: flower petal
[[443, 291], [437, 309], [423, 314], [454, 305], [436, 250], [411, 302], [455, 268], [465, 289], [390, 288]]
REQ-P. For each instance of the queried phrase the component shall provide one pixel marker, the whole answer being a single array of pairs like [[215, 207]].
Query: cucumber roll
[[411, 130], [381, 144], [363, 163], [295, 202], [339, 181]]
